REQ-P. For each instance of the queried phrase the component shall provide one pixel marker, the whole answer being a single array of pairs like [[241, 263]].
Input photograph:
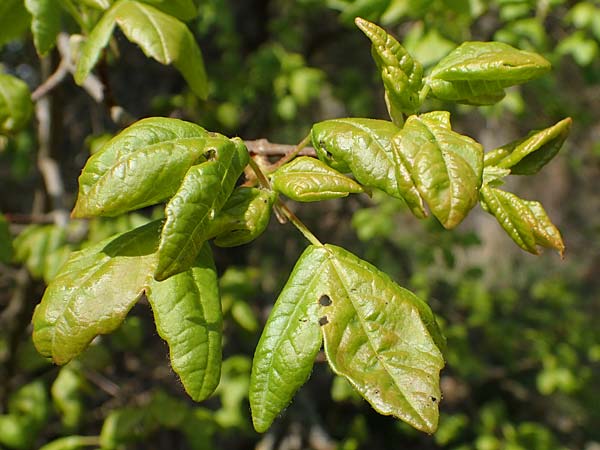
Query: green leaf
[[290, 340], [15, 104], [182, 9], [244, 217], [45, 23], [14, 20], [43, 249], [126, 425], [187, 312], [71, 443], [478, 72], [143, 165], [401, 75], [528, 155], [6, 247], [202, 194], [67, 396], [97, 4], [493, 175], [93, 292], [526, 222], [159, 35], [364, 147], [310, 180], [382, 338], [15, 431], [446, 166]]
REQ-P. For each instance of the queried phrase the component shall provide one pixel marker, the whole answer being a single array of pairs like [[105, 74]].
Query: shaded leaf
[[401, 75], [143, 165], [71, 443], [159, 35], [526, 222], [290, 340], [43, 249], [182, 9], [244, 217], [478, 72], [93, 292], [126, 425], [202, 194], [364, 147], [15, 104], [187, 313], [310, 180], [528, 155], [383, 339], [14, 20], [67, 396], [6, 248], [446, 166], [45, 23]]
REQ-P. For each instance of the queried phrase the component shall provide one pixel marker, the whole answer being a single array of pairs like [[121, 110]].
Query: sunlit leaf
[[201, 196], [310, 180], [182, 9], [143, 165], [71, 443], [401, 75], [478, 72], [15, 104], [526, 222], [187, 313], [45, 23], [93, 292], [446, 166]]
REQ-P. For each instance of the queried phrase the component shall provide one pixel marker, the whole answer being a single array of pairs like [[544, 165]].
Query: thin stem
[[262, 179], [297, 223], [291, 155]]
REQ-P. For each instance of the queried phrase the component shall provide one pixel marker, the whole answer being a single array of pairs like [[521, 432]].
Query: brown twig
[[265, 148]]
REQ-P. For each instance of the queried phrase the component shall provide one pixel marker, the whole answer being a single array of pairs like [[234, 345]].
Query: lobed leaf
[[402, 76], [364, 147], [290, 340], [478, 72], [45, 23], [202, 194], [159, 35], [93, 292], [446, 166], [383, 339], [526, 222], [310, 180], [244, 217], [143, 165], [15, 104], [528, 155], [187, 313]]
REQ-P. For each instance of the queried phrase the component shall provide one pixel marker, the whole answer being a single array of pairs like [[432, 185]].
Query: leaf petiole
[[282, 208]]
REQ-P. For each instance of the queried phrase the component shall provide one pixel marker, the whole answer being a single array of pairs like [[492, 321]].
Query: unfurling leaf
[[310, 180], [142, 165], [244, 217], [478, 72], [45, 23], [159, 35], [379, 336], [526, 222], [93, 292], [187, 312], [15, 104], [528, 155], [201, 196], [364, 147], [446, 166], [401, 75], [290, 340]]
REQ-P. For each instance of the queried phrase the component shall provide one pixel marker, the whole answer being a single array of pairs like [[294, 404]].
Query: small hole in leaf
[[210, 154], [323, 321], [433, 399], [325, 300]]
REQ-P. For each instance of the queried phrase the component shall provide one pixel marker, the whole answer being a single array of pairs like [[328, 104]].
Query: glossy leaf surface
[[143, 165], [187, 313], [528, 155], [401, 75], [244, 217], [308, 179], [446, 166], [364, 147], [290, 341], [383, 339], [93, 292], [159, 35], [15, 104], [526, 222], [202, 194], [45, 23], [478, 72]]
